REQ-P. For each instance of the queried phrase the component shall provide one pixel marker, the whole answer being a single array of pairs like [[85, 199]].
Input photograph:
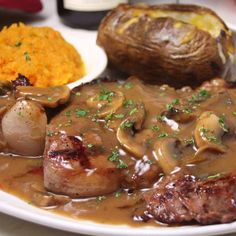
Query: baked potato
[[174, 44]]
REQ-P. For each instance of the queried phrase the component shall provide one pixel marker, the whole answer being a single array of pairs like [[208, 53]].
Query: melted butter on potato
[[24, 128]]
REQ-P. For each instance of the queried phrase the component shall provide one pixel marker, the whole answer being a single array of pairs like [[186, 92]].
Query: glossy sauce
[[24, 176]]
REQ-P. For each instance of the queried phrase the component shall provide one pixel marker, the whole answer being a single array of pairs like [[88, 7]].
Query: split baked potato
[[174, 44]]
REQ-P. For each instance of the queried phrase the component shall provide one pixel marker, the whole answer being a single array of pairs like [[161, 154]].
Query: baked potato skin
[[163, 49]]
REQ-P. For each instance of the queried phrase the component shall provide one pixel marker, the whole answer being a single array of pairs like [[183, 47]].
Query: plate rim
[[60, 222]]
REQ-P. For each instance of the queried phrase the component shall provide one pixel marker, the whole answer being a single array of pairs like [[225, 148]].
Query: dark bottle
[[85, 13]]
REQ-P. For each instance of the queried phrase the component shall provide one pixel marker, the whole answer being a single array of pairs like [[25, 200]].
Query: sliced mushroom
[[208, 131], [128, 135], [202, 153], [24, 128], [106, 107], [47, 97], [167, 153]]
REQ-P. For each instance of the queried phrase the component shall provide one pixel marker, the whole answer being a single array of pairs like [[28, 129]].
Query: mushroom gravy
[[144, 132]]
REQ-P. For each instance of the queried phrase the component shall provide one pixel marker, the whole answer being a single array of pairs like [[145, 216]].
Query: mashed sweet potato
[[39, 53]]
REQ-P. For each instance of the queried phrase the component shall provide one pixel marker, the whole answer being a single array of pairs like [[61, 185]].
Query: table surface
[[10, 226]]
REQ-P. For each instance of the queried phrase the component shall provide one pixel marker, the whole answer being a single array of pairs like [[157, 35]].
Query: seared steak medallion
[[189, 199]]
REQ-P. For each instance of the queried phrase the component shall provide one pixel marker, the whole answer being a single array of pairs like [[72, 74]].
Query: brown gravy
[[23, 177]]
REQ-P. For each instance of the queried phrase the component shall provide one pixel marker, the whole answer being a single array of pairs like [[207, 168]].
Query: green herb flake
[[206, 133], [121, 164], [49, 98], [119, 116], [134, 110], [161, 174], [128, 85], [150, 162], [222, 122], [49, 133], [106, 95], [109, 116], [114, 156], [163, 135], [204, 93], [19, 113], [234, 113], [78, 94], [18, 44], [128, 103], [187, 110], [81, 113], [172, 104], [155, 128], [189, 141], [117, 194], [161, 118], [127, 124], [27, 56]]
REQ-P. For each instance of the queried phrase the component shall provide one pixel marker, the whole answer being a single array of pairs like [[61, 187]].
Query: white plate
[[95, 60], [93, 56], [13, 206]]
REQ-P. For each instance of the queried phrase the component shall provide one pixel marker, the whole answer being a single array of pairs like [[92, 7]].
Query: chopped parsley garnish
[[18, 44], [162, 174], [128, 103], [150, 162], [127, 124], [172, 104], [27, 56], [119, 116], [109, 116], [106, 95], [189, 141], [163, 135], [161, 118], [50, 134], [115, 157], [117, 194], [77, 94], [134, 110], [187, 110], [121, 164], [203, 94], [155, 128], [207, 134], [49, 98], [222, 122], [81, 113], [128, 85], [234, 113]]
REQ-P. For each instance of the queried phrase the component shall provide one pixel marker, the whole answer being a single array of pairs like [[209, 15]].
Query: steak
[[188, 199]]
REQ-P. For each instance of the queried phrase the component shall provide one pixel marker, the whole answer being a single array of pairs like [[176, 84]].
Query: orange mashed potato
[[39, 53]]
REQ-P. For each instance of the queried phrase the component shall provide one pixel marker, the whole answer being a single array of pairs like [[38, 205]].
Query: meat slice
[[70, 169], [189, 199]]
